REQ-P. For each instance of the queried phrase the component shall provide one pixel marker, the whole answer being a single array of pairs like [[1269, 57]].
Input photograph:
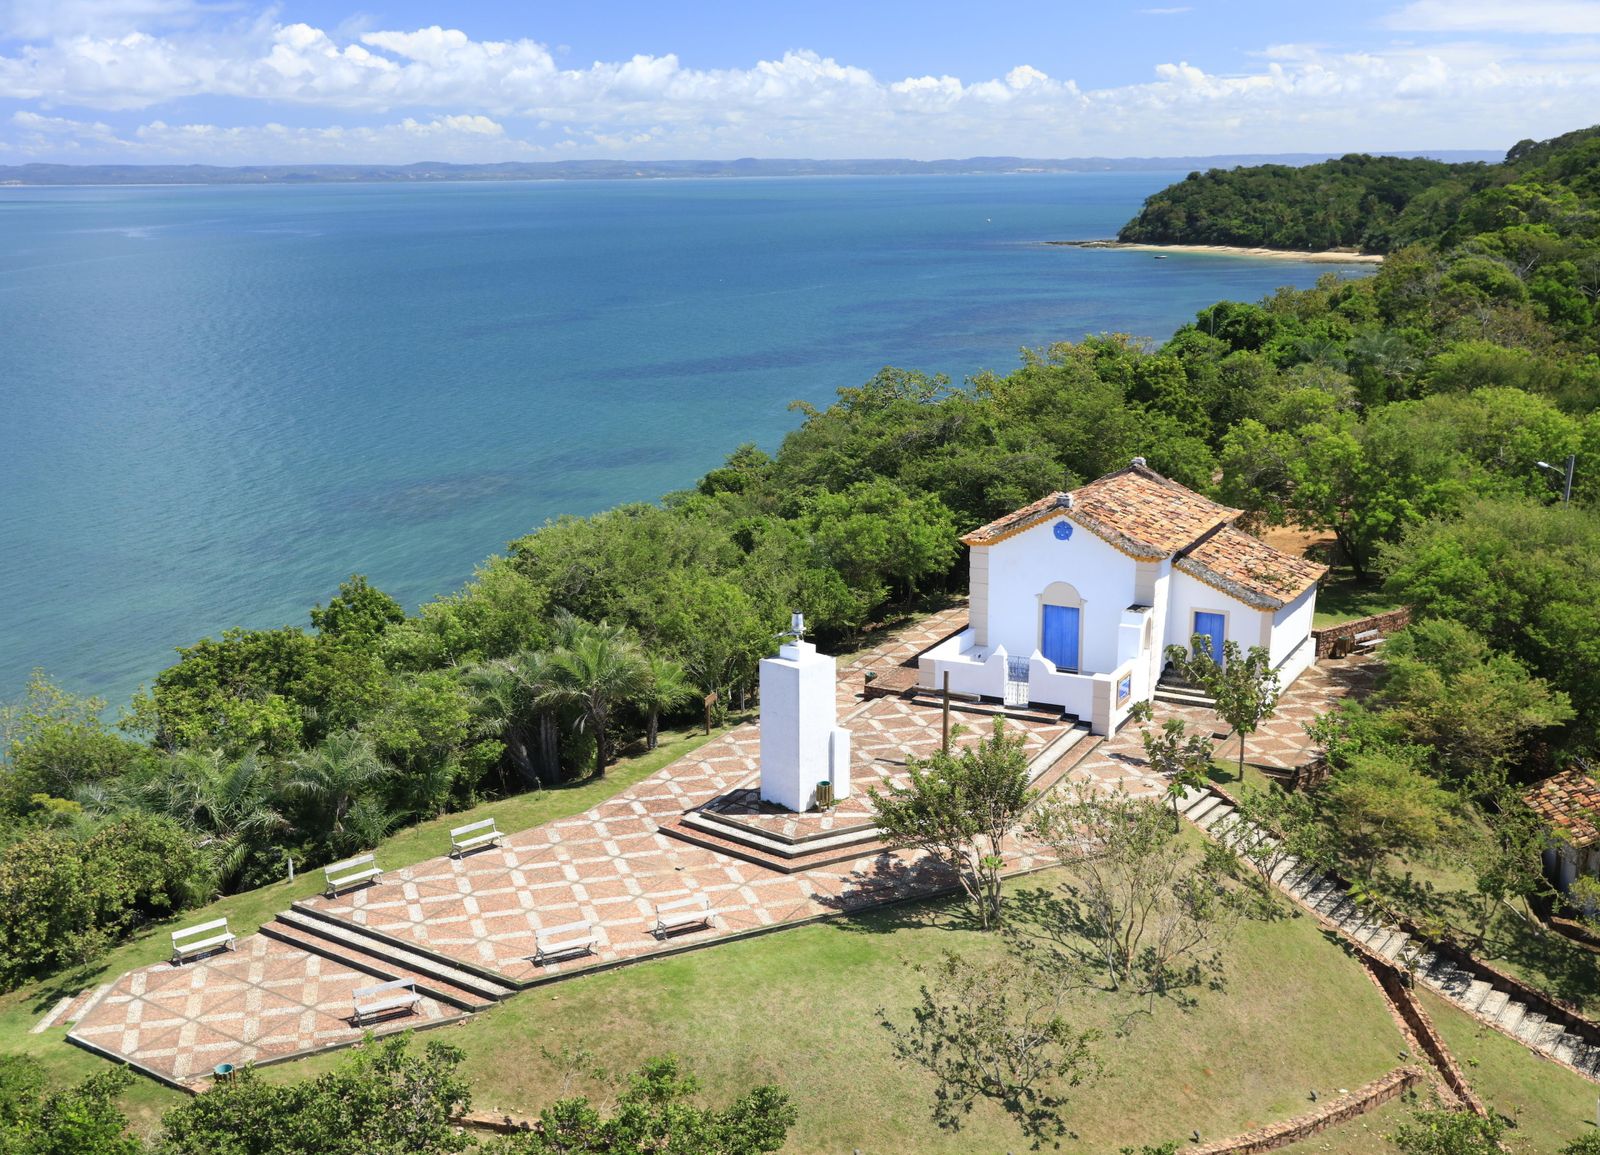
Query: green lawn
[[799, 1008], [21, 1009], [1550, 1105], [1343, 599]]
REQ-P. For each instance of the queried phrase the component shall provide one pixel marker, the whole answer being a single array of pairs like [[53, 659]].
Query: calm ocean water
[[218, 402]]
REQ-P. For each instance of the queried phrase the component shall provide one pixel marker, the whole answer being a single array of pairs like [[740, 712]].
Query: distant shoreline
[[1326, 256]]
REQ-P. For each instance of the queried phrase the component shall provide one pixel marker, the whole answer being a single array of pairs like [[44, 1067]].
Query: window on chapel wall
[[1061, 626]]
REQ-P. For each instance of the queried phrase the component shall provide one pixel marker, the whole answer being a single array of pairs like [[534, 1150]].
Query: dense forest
[[1382, 203], [1404, 413]]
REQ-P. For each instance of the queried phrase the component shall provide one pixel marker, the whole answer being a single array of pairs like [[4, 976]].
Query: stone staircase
[[1488, 997], [1175, 688], [445, 980]]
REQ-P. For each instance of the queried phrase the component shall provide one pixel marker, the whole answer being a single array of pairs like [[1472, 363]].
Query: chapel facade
[[1075, 597]]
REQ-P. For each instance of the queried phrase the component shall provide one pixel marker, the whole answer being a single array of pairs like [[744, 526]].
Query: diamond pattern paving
[[608, 867], [260, 1002]]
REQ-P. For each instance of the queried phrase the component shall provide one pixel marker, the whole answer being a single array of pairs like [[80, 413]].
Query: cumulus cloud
[[395, 92]]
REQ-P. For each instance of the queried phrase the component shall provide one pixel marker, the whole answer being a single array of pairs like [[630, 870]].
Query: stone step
[[1395, 947], [1213, 816], [349, 944], [1283, 872], [1510, 1017], [1530, 1027], [1476, 992], [1493, 1003], [1547, 1036], [1205, 806], [1191, 797], [1565, 1048], [479, 980], [1180, 697]]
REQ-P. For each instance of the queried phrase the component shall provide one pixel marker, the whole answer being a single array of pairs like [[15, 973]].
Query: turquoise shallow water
[[215, 402]]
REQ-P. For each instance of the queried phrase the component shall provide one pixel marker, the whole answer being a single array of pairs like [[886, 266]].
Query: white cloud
[[400, 92], [1546, 17]]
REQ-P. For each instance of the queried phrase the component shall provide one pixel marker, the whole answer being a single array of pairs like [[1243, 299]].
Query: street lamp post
[[1565, 475]]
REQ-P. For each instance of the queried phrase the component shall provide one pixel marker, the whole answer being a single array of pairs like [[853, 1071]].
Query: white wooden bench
[[473, 835], [185, 942], [349, 872], [1367, 641], [684, 912], [555, 942], [381, 998]]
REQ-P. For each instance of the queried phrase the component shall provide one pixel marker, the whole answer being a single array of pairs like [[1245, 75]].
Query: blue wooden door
[[1060, 641], [1214, 627]]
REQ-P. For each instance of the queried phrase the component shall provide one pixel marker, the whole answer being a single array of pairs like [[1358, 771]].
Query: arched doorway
[[1061, 626]]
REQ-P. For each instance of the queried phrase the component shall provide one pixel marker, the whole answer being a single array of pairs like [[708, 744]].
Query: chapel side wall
[[1291, 625], [1155, 591], [1246, 626], [1021, 567]]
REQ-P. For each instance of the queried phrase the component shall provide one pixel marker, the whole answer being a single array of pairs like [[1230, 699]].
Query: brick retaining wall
[[1384, 623], [1358, 1102]]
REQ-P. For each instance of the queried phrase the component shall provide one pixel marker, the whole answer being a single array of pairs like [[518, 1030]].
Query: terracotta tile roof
[[1019, 519], [1249, 569], [1570, 802], [1135, 509]]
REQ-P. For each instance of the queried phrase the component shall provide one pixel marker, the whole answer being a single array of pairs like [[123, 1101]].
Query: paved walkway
[[608, 867]]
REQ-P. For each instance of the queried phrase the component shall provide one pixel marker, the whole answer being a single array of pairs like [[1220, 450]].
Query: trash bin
[[223, 1072], [824, 795]]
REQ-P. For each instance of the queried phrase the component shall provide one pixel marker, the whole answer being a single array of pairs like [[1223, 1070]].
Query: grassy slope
[[1550, 1104], [21, 1009], [799, 1008]]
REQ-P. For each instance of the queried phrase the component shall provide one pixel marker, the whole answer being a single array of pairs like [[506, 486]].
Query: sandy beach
[[1329, 256]]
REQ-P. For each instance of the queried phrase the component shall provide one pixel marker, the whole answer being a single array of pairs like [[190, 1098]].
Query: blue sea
[[217, 402]]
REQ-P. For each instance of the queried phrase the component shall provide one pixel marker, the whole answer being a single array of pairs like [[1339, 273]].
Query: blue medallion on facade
[[1063, 530]]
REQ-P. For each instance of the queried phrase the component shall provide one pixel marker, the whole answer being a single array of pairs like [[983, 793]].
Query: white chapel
[[1076, 597]]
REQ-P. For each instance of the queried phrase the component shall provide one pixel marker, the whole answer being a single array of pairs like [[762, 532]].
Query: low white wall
[[1074, 693]]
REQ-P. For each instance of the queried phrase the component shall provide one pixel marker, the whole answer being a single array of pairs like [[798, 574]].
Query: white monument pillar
[[802, 743]]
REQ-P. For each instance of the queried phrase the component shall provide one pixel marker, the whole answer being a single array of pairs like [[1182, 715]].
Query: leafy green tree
[[358, 612], [81, 1120], [425, 730], [1523, 576], [1244, 686], [595, 669], [234, 693], [1178, 756], [53, 742], [960, 808], [1473, 709], [656, 1113], [1151, 911], [998, 1031], [1381, 804], [875, 533], [383, 1100], [1436, 1131]]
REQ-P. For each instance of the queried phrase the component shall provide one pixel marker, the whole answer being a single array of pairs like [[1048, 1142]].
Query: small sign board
[[1124, 689]]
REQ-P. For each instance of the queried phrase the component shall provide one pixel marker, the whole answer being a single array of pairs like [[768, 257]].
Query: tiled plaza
[[608, 867]]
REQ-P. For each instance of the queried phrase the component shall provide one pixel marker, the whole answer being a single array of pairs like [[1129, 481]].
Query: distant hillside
[[1374, 203], [427, 171]]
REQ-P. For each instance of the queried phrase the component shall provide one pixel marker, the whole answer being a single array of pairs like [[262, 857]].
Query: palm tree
[[666, 687], [596, 667], [339, 778], [508, 691], [234, 802]]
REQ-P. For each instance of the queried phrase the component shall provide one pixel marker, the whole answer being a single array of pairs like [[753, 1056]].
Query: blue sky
[[236, 81]]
